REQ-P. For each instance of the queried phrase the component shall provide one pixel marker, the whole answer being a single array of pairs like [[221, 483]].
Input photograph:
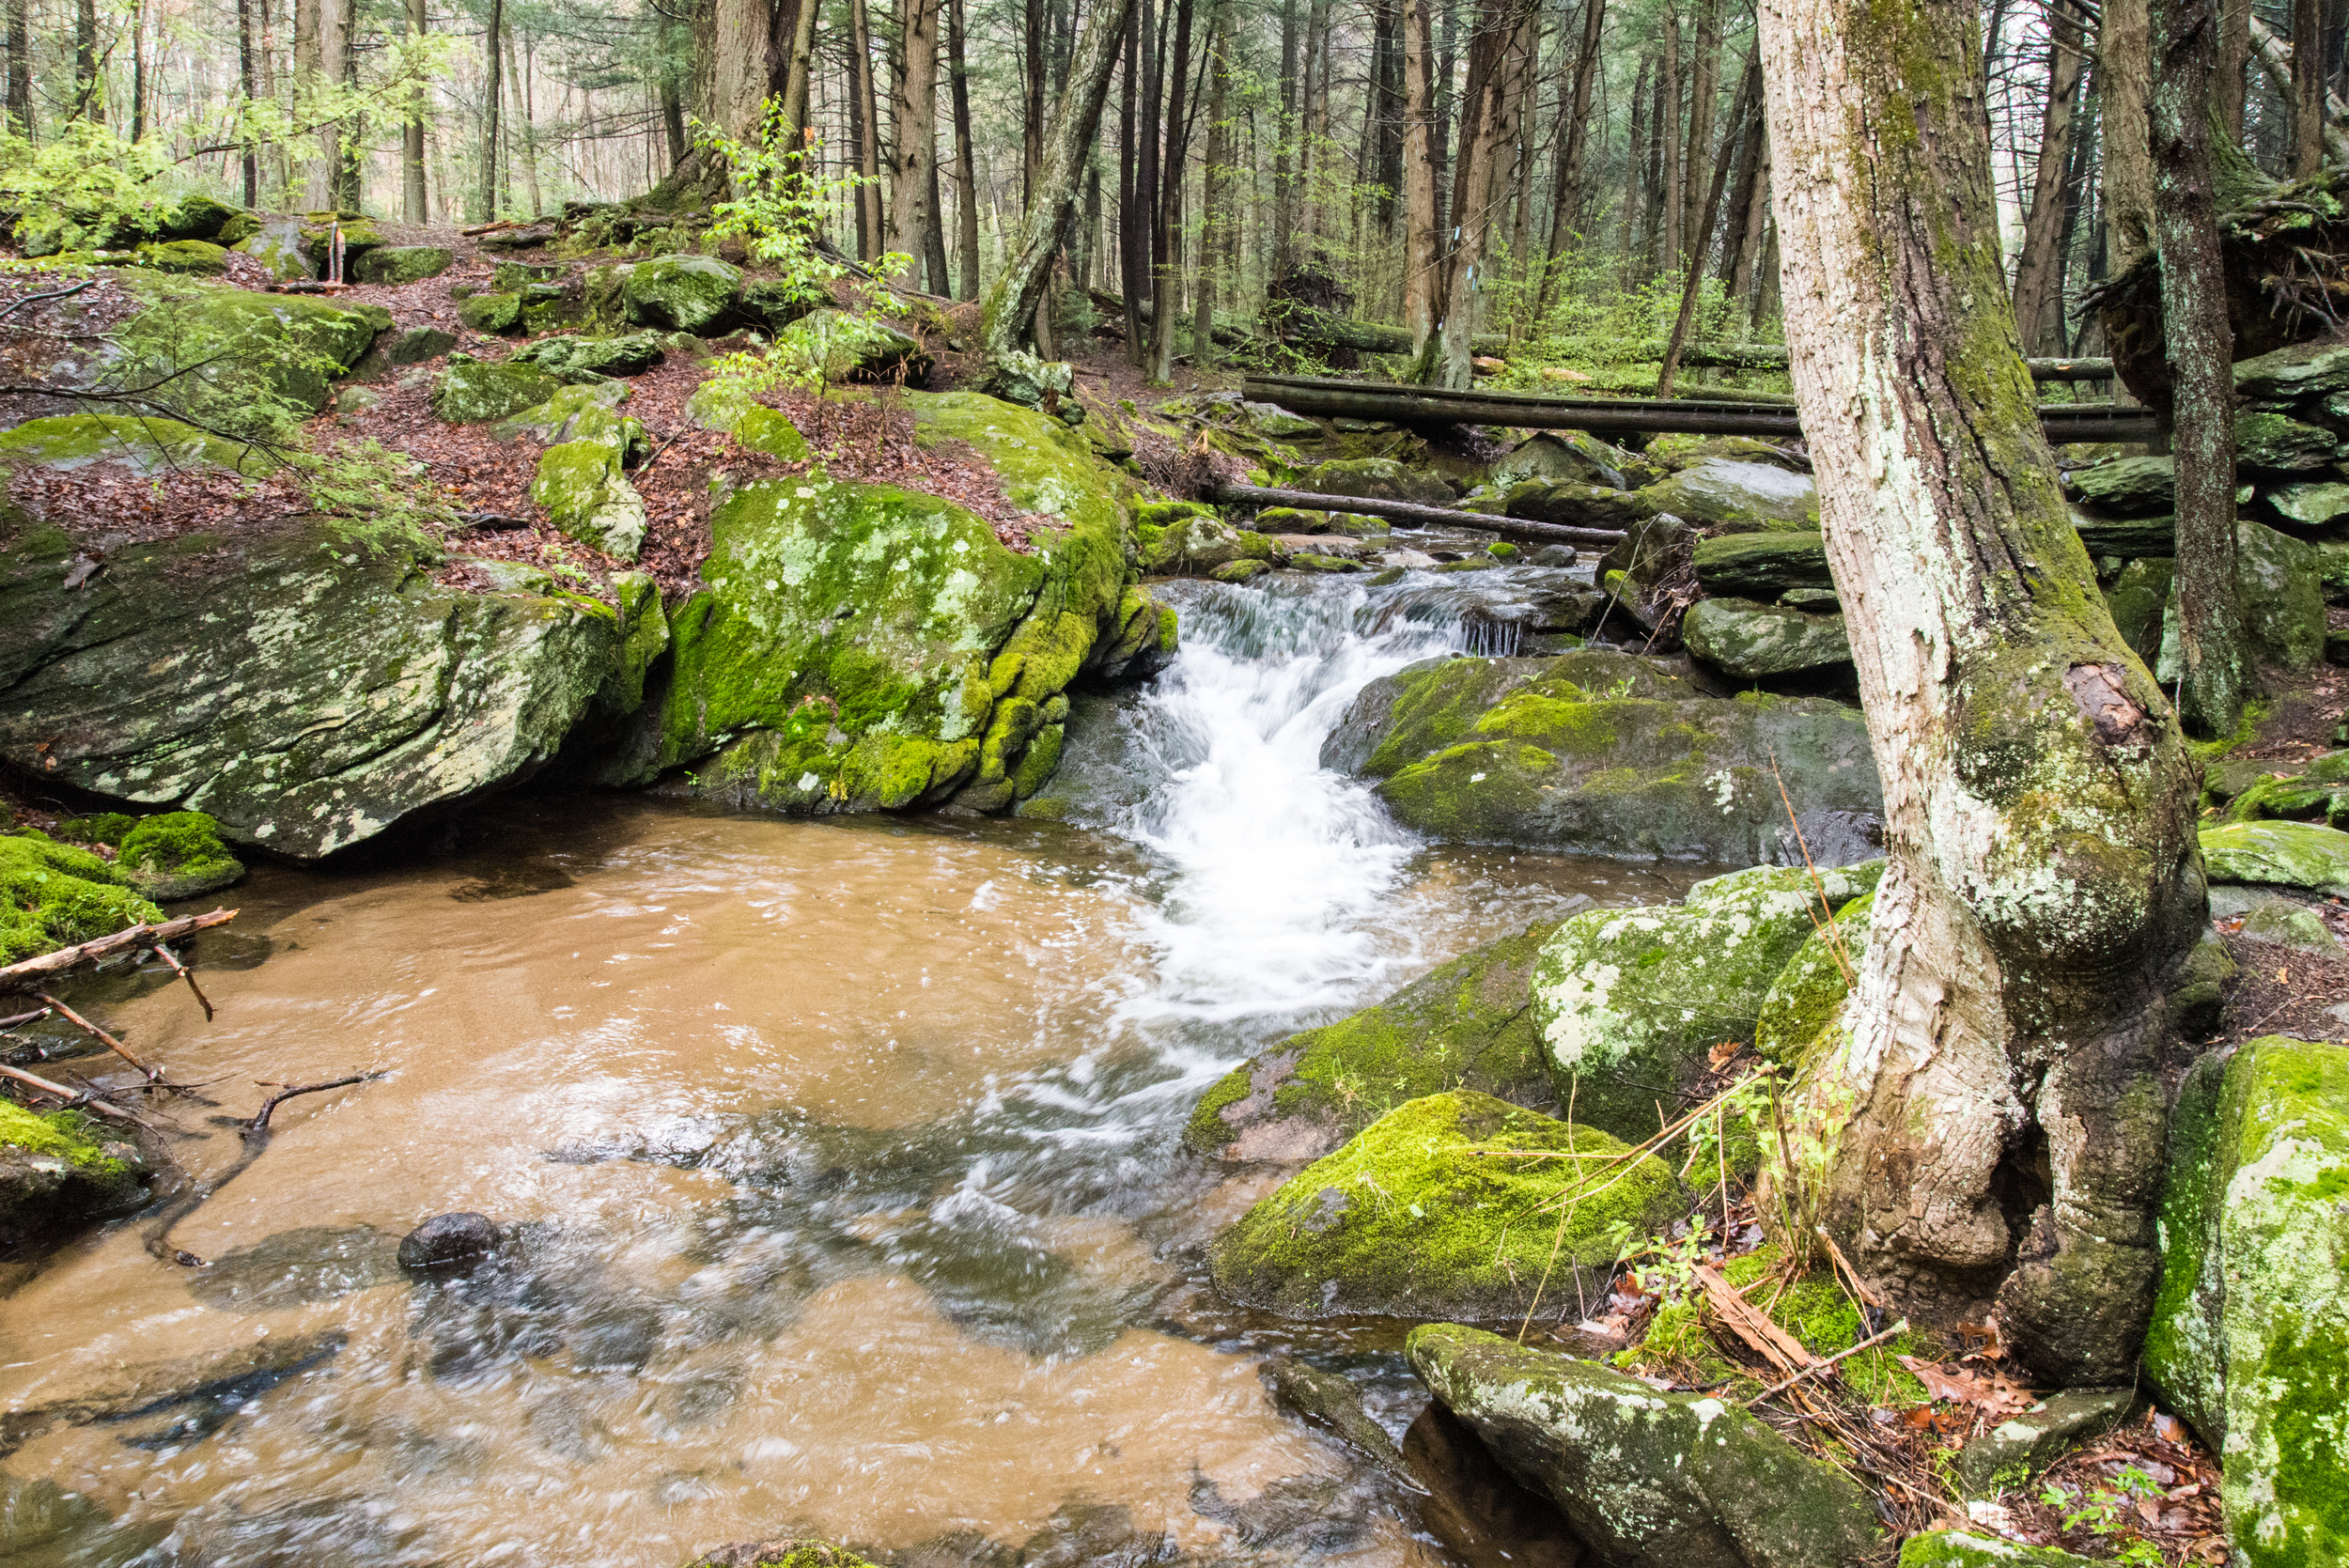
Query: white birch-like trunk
[[1994, 1105]]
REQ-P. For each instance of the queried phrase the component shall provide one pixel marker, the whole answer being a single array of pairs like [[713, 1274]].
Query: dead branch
[[1818, 1367], [25, 976], [187, 974], [153, 1076], [76, 1100], [34, 1016], [1755, 1326], [269, 1107], [53, 294]]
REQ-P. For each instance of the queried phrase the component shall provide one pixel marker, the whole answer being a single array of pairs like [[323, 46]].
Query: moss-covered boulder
[[2278, 444], [833, 345], [53, 895], [1631, 1001], [1807, 999], [197, 217], [1464, 1025], [1197, 546], [2278, 854], [2309, 503], [1676, 452], [60, 1170], [1376, 479], [2283, 604], [1456, 1205], [581, 360], [304, 682], [560, 417], [581, 484], [235, 353], [473, 391], [860, 647], [1755, 642], [1761, 565], [2126, 486], [1738, 497], [189, 257], [698, 294], [403, 264], [2035, 1438], [142, 443], [278, 246], [490, 312], [177, 854], [1576, 505], [2250, 1337], [1948, 1548], [1568, 454], [2138, 599], [1654, 1480], [1608, 754]]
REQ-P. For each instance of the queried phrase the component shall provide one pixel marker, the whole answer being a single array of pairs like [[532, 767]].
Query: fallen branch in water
[[25, 976], [269, 1107], [187, 974], [76, 1101], [34, 1016], [153, 1076]]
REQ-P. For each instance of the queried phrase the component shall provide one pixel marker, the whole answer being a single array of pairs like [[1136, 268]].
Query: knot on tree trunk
[[2102, 694]]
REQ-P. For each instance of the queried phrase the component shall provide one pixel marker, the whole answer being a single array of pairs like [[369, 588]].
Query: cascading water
[[836, 1161]]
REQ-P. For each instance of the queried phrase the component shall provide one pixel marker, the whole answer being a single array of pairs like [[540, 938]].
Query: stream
[[838, 1162]]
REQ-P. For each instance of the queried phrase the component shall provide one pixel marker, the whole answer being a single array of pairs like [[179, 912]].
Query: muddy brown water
[[837, 1164]]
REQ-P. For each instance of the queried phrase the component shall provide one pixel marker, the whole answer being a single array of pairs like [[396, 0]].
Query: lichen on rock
[[60, 1169]]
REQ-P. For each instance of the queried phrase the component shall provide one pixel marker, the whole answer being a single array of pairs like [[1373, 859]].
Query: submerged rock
[[304, 682], [1648, 1480], [2250, 1337], [1425, 1214], [447, 1239], [61, 1170], [1608, 754], [1631, 1002], [1465, 1025]]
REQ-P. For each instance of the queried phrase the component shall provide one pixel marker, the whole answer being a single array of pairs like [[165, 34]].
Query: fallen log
[[25, 975], [1414, 513]]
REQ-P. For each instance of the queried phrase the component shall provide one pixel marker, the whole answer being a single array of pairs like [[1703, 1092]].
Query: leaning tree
[[1994, 1108]]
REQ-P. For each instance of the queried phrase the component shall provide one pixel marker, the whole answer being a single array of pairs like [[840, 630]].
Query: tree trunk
[[868, 149], [89, 103], [2202, 354], [1705, 81], [1143, 234], [1671, 87], [672, 91], [2037, 271], [252, 155], [527, 141], [1748, 194], [1749, 87], [1635, 166], [915, 121], [738, 85], [1498, 57], [1032, 92], [2234, 62], [349, 136], [490, 110], [966, 178], [1993, 1098], [2308, 86], [1283, 145], [1215, 181], [1440, 149], [1130, 225], [20, 68], [412, 204], [1421, 276], [1565, 191], [138, 71], [1018, 292], [1166, 261], [2123, 49]]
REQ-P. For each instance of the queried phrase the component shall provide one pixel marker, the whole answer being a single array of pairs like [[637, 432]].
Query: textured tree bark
[[1670, 85], [488, 109], [1215, 181], [738, 87], [915, 121], [1749, 87], [21, 69], [2038, 268], [1167, 234], [1705, 71], [526, 140], [1420, 265], [1013, 299], [869, 194], [2123, 63], [412, 205], [1993, 1104], [1285, 136], [2308, 86], [250, 159], [1566, 191], [89, 100], [966, 177], [2201, 353], [1498, 56], [2234, 60], [791, 60]]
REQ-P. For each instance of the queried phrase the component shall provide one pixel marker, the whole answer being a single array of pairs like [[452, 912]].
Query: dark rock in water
[[1333, 1404], [310, 1263], [788, 1552], [1476, 1508], [41, 1524], [1094, 1535], [1310, 1515], [1648, 1480], [57, 1171], [160, 1403], [448, 1238]]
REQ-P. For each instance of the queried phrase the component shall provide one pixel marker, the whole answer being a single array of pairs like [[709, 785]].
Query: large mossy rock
[[2250, 1331], [860, 647], [2283, 604], [1425, 1213], [177, 854], [235, 357], [305, 682], [583, 360], [831, 346], [2278, 854], [1202, 545], [1755, 642], [473, 391], [61, 1170], [53, 895], [1463, 1025], [1947, 1548], [1807, 999], [1377, 479], [1574, 503], [1761, 565], [1629, 1002], [581, 484], [1568, 454], [395, 265], [698, 294], [1607, 753], [2126, 486], [1739, 496], [1648, 1480], [277, 244], [143, 444]]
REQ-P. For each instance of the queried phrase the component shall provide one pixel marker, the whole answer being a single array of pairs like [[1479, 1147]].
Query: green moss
[[1160, 514], [1808, 995], [66, 1135], [1947, 1548], [106, 828], [1206, 1130], [1814, 1308], [471, 390], [143, 444], [53, 895], [177, 854], [1423, 1213]]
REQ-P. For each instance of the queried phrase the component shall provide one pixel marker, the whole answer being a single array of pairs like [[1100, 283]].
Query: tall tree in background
[[1996, 1113], [2200, 346], [412, 205], [1216, 219], [20, 68], [1166, 237], [490, 108], [2308, 86], [2123, 77], [251, 158], [966, 177], [1012, 302], [913, 159], [1500, 52], [870, 240], [2038, 274], [1565, 190], [1421, 275], [89, 103], [1283, 139]]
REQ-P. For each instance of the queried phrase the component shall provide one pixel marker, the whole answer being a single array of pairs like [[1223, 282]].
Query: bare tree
[[2039, 270]]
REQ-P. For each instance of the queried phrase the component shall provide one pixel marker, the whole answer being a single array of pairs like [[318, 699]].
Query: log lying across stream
[[1331, 396], [1416, 515]]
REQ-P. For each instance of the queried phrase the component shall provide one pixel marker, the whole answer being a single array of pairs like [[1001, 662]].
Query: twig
[[78, 1101], [187, 974], [153, 1074], [672, 442], [1869, 1343], [269, 1107], [20, 976], [34, 1016], [53, 294]]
